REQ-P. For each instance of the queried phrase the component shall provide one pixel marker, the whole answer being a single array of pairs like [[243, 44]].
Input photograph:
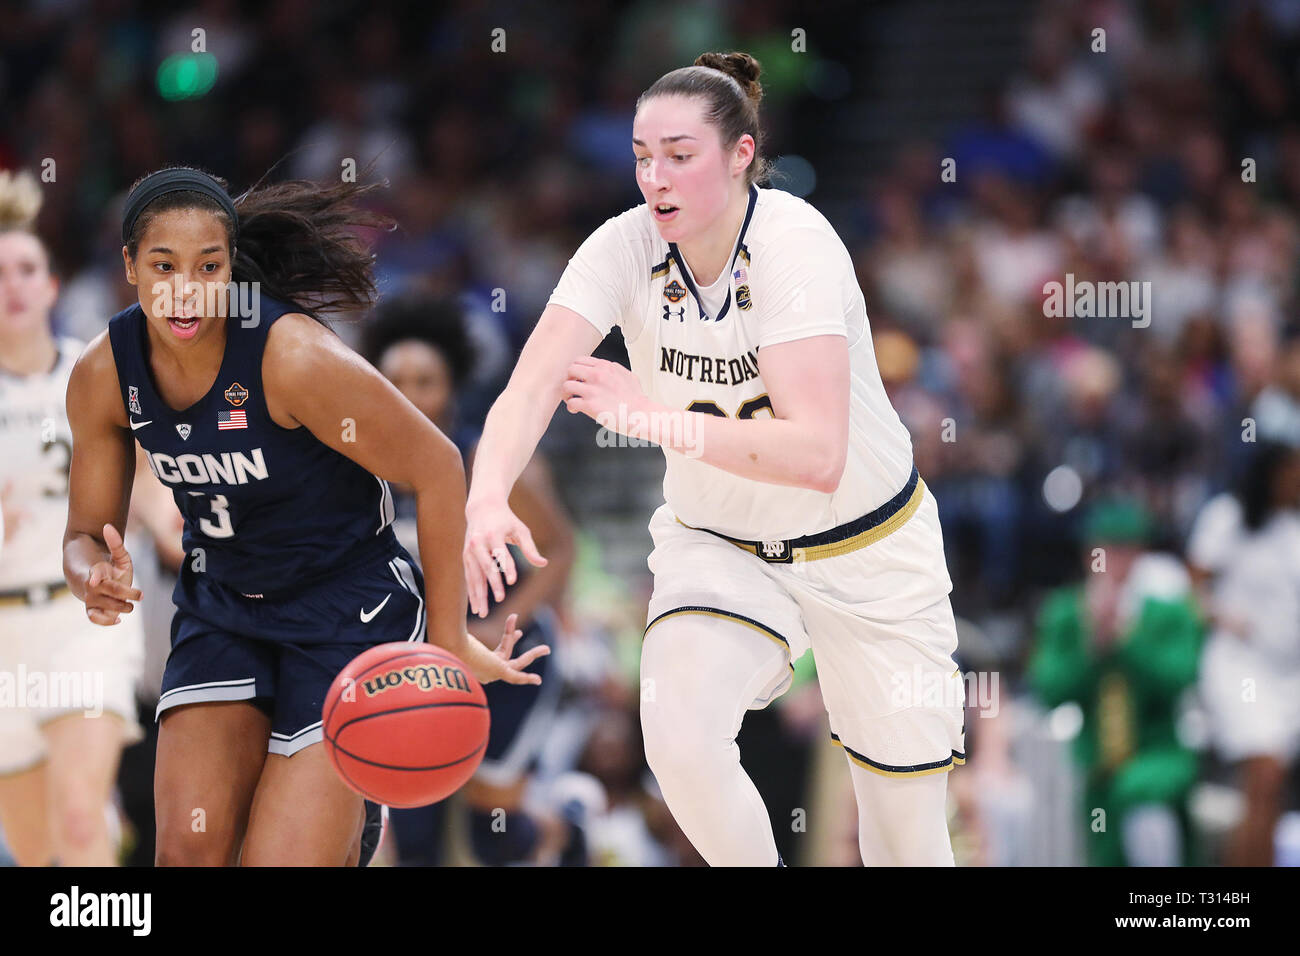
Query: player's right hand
[[489, 527], [108, 583]]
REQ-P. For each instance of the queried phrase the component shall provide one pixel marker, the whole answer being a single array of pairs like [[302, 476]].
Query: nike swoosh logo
[[135, 425], [365, 617]]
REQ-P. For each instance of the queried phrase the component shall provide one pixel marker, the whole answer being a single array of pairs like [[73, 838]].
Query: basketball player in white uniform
[[1247, 547], [66, 686], [793, 515]]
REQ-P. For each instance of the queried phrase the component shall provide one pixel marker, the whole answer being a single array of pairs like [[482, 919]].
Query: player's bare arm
[[313, 380], [513, 428], [95, 563], [803, 445]]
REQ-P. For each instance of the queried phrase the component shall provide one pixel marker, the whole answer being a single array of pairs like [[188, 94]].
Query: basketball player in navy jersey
[[277, 441], [422, 345]]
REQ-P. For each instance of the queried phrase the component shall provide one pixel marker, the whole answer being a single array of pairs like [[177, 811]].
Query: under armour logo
[[671, 313]]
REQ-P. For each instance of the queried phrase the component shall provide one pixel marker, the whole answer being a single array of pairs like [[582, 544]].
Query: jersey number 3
[[222, 528]]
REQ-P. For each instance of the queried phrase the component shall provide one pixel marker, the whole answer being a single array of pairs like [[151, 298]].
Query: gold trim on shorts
[[856, 543], [914, 770], [22, 596], [749, 622]]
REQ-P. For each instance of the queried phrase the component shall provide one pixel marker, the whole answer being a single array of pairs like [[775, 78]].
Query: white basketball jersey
[[35, 454], [790, 278], [1260, 587]]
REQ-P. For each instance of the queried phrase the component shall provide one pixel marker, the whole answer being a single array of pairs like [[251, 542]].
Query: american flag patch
[[234, 419], [741, 275]]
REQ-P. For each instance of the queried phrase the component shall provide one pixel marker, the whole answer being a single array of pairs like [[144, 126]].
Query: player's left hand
[[599, 389], [498, 665]]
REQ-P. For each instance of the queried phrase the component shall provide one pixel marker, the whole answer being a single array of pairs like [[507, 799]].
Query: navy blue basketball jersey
[[270, 507]]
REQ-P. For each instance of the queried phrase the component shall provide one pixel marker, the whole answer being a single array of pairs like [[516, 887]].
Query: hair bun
[[20, 199], [741, 67]]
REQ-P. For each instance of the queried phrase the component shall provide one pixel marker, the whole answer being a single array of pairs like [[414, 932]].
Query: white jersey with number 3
[[790, 277], [35, 453]]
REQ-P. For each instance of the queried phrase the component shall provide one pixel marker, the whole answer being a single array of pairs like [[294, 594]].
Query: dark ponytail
[[728, 83], [297, 240], [1257, 488]]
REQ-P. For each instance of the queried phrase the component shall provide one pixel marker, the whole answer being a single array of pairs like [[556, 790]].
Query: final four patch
[[742, 297], [674, 292], [236, 394]]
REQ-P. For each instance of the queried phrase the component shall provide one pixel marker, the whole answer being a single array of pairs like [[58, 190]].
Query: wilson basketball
[[405, 724]]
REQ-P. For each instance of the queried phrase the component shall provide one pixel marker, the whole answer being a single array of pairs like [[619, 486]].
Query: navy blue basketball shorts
[[522, 714], [283, 654]]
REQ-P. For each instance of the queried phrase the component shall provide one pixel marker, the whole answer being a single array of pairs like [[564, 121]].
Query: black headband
[[172, 181]]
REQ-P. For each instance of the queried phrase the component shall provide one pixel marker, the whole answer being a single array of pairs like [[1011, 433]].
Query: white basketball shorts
[[1253, 701], [875, 612], [53, 662]]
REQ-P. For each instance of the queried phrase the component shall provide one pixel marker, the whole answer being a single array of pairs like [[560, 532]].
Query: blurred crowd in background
[[1168, 155]]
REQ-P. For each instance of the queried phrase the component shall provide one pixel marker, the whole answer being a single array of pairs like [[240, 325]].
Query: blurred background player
[[72, 683], [1250, 677], [423, 346]]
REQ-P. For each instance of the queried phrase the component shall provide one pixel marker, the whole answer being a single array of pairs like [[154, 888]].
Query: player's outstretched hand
[[489, 527], [108, 583], [498, 665]]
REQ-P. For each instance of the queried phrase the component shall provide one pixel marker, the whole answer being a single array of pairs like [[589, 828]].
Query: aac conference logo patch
[[674, 292], [236, 394]]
